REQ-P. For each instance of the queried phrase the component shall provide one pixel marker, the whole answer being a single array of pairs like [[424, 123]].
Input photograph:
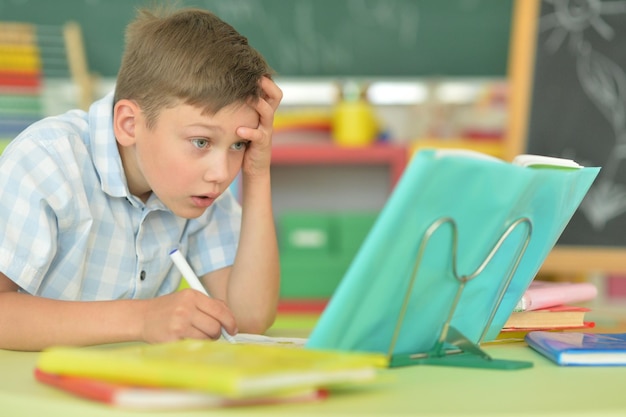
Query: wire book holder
[[463, 353]]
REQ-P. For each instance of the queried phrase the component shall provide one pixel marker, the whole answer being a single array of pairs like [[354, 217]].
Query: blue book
[[580, 349]]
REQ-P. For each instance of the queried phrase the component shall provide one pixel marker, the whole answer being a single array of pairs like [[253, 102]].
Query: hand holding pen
[[194, 282]]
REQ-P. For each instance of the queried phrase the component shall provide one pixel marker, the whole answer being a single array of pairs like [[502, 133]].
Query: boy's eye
[[240, 146], [200, 143]]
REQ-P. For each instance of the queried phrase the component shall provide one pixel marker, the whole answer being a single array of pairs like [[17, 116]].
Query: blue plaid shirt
[[71, 230]]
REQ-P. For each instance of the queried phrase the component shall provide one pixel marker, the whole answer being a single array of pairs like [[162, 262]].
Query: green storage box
[[316, 250], [305, 233], [352, 229], [311, 276]]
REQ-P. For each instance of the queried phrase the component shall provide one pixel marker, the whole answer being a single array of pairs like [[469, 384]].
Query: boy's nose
[[217, 170]]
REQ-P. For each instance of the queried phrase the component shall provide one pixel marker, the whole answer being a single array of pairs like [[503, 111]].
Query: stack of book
[[551, 306], [201, 374]]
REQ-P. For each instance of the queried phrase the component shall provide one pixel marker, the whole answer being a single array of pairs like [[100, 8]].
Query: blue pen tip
[[173, 250]]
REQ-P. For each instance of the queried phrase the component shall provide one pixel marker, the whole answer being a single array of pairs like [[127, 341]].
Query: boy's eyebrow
[[204, 125]]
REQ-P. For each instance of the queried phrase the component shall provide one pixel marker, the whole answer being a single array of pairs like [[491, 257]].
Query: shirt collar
[[106, 156]]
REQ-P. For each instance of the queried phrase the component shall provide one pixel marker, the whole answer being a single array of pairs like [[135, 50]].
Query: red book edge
[[109, 392], [562, 307], [586, 325]]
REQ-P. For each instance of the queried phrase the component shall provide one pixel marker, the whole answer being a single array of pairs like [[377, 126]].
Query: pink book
[[543, 294]]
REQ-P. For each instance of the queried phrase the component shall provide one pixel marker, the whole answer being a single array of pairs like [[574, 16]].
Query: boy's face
[[188, 159]]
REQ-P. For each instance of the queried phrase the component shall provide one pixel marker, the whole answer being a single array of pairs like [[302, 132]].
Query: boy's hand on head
[[186, 314], [259, 153]]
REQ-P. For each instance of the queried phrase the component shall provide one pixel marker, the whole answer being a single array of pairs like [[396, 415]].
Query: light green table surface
[[543, 390]]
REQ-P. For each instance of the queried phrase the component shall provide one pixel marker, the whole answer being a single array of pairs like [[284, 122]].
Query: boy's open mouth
[[202, 200]]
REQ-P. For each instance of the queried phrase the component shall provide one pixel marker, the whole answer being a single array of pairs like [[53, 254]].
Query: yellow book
[[231, 370], [541, 319]]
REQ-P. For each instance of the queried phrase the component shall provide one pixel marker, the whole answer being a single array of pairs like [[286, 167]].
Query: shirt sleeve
[[28, 225]]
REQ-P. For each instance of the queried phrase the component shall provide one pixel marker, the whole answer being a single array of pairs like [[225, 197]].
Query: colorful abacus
[[29, 55], [20, 78]]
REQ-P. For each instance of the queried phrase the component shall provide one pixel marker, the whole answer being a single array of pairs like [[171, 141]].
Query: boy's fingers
[[217, 311], [266, 111], [273, 93], [249, 134], [266, 107]]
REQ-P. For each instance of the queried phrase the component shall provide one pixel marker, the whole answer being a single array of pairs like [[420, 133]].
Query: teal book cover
[[488, 200]]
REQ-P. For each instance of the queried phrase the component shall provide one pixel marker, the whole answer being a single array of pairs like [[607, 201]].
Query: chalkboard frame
[[563, 259]]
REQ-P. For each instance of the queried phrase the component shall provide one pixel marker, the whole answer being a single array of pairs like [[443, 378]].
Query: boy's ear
[[126, 115]]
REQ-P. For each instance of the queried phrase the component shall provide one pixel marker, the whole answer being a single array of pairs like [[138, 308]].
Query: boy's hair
[[188, 56]]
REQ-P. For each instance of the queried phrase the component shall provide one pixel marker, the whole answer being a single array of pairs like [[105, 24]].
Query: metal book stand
[[463, 352]]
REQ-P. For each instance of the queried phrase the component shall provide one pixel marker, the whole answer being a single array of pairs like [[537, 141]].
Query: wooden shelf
[[393, 156]]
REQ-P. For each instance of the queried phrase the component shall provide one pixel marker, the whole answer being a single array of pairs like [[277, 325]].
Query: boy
[[92, 203]]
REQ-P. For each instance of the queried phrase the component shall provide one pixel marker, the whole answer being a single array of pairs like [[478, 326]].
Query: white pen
[[193, 281]]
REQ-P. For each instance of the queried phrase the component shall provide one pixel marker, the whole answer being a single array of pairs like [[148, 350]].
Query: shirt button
[[142, 275]]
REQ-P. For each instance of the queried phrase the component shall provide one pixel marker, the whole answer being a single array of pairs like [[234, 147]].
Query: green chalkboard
[[577, 111], [568, 99], [317, 37]]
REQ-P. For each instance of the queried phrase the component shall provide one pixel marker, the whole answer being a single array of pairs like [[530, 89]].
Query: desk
[[544, 390]]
